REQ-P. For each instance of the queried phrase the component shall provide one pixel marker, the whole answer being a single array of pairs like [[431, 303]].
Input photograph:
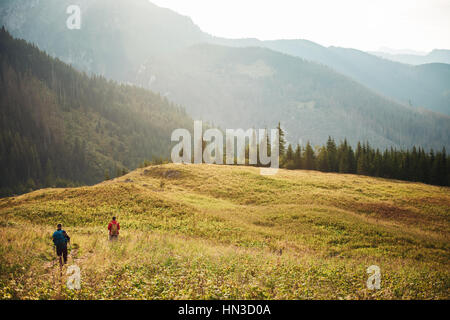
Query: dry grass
[[223, 232]]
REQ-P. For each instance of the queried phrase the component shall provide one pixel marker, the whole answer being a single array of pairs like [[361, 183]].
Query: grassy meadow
[[226, 232]]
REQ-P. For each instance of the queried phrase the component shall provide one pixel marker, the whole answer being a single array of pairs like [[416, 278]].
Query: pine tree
[[322, 160], [310, 161], [289, 158], [298, 157], [332, 155], [289, 153], [282, 141]]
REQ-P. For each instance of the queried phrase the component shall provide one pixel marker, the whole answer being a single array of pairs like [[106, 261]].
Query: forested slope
[[60, 126]]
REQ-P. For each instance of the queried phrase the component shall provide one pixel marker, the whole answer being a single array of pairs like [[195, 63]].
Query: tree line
[[414, 164]]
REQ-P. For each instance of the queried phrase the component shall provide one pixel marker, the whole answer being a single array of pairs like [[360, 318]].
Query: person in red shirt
[[113, 228]]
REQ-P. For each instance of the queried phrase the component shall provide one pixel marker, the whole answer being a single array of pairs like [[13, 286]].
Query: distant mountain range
[[435, 56], [251, 86], [426, 86], [314, 91]]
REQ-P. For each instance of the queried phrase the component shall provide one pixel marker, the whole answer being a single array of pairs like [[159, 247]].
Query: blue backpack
[[59, 238]]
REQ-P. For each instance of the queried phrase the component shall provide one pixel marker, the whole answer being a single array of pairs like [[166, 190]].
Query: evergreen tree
[[298, 157], [289, 158], [322, 160], [282, 140], [289, 153], [332, 155], [310, 160]]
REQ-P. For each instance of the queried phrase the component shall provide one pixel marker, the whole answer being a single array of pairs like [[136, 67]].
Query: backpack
[[114, 229], [58, 238]]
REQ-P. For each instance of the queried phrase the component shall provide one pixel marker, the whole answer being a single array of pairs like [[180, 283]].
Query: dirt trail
[[73, 253]]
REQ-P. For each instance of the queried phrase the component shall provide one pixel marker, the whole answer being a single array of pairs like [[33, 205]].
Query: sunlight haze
[[420, 25]]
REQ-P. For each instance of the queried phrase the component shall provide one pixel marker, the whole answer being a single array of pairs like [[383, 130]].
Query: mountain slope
[[60, 126], [115, 36], [425, 86], [224, 232]]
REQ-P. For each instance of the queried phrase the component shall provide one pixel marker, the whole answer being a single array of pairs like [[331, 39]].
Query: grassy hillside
[[202, 231]]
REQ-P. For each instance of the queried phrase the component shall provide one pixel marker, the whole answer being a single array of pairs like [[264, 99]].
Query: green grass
[[226, 232]]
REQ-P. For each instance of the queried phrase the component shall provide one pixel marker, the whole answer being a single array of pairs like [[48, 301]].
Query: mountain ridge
[[430, 93], [434, 56]]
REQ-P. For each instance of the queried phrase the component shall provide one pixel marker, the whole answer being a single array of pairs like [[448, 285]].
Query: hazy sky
[[419, 25]]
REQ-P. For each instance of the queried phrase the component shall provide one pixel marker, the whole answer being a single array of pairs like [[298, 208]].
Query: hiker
[[60, 239], [113, 228]]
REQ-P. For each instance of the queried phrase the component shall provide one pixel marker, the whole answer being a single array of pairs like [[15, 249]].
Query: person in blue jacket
[[60, 239]]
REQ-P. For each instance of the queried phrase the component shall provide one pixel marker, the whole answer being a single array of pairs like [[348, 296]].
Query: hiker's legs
[[112, 237], [65, 254], [59, 253]]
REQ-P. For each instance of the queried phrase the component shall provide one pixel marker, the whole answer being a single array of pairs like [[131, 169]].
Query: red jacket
[[111, 223]]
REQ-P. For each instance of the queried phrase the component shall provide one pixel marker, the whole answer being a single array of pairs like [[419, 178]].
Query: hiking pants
[[62, 251]]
